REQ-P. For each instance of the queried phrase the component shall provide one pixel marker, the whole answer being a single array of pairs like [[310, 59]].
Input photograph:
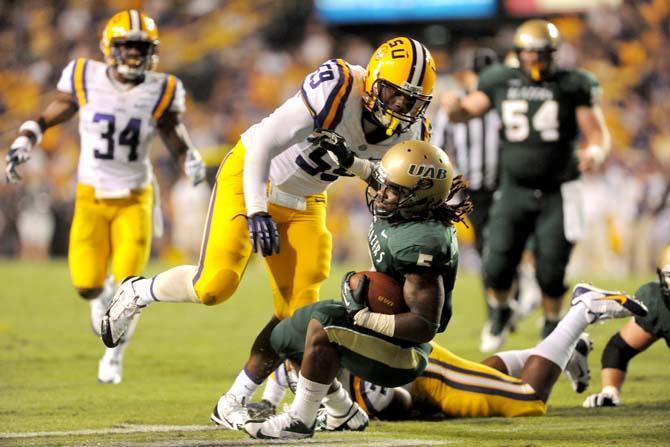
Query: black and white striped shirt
[[473, 146]]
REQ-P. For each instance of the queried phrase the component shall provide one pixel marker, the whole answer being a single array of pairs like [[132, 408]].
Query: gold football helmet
[[130, 43], [411, 178], [541, 37], [399, 84]]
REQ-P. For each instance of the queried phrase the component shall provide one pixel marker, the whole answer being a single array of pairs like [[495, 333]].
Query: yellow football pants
[[461, 388], [104, 229], [296, 273]]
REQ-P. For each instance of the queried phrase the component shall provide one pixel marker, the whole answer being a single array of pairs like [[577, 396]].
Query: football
[[384, 293]]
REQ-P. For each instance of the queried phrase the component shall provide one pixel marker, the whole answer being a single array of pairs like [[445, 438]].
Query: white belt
[[112, 193], [281, 198]]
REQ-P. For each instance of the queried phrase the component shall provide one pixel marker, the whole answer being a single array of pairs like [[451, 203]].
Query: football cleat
[[606, 304], [495, 329], [100, 304], [109, 371], [355, 419], [119, 316], [261, 410], [577, 369], [283, 426], [230, 413]]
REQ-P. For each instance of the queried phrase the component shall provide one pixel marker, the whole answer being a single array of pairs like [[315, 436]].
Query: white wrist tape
[[611, 391], [381, 323], [22, 141], [597, 153], [361, 168], [34, 128]]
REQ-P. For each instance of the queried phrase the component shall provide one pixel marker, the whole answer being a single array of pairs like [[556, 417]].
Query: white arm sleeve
[[287, 125], [65, 81]]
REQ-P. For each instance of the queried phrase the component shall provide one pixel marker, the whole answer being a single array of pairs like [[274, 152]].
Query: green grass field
[[184, 356]]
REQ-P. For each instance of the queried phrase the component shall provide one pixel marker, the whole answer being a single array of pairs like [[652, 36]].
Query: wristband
[[34, 128]]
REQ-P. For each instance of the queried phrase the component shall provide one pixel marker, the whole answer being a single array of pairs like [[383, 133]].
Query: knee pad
[[617, 353], [550, 280], [89, 293], [498, 272]]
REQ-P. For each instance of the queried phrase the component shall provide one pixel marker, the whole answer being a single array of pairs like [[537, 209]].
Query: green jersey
[[415, 246], [539, 124], [657, 320]]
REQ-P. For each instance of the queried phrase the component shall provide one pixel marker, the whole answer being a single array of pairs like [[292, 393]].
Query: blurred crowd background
[[240, 59]]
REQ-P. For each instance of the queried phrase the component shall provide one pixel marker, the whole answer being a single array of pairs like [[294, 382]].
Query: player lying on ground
[[635, 337], [509, 384], [411, 239]]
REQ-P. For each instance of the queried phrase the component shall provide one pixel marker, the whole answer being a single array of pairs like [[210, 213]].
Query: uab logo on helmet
[[427, 171]]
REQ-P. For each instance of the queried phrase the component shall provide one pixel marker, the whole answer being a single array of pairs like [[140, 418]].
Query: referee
[[473, 146]]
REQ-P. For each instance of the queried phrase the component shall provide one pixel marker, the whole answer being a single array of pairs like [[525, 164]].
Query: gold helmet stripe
[[135, 20]]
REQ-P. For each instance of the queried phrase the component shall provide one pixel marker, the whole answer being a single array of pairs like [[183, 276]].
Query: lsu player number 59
[[122, 103]]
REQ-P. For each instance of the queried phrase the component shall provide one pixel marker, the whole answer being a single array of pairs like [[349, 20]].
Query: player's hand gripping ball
[[384, 295]]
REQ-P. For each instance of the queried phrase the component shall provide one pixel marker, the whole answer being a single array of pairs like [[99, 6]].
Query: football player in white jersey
[[272, 188], [122, 103]]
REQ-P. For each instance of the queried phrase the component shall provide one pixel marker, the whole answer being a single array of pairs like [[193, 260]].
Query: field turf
[[184, 356]]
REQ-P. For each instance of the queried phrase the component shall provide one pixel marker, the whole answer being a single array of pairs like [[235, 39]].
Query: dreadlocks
[[450, 214]]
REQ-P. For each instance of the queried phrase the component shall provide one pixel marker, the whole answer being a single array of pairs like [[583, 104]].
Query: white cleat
[[355, 419], [577, 369], [283, 426], [109, 371], [119, 316], [490, 342], [230, 413], [100, 304], [606, 304]]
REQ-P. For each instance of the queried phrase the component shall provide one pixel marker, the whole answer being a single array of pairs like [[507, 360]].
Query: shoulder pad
[[325, 92]]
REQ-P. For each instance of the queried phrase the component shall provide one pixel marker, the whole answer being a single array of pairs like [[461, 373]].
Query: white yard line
[[325, 439]]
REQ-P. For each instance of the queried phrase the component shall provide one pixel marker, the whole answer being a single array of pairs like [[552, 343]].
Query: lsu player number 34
[[121, 103]]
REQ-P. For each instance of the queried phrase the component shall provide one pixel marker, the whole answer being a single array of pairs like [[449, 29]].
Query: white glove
[[608, 397], [19, 152], [194, 167]]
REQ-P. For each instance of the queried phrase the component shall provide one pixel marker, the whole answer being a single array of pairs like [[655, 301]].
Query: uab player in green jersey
[[636, 336], [411, 239], [542, 109]]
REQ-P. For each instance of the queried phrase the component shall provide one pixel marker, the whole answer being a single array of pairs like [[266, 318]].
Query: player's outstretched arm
[[175, 137], [460, 109], [61, 109], [621, 348]]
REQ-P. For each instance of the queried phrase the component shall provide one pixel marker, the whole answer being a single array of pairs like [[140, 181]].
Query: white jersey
[[116, 126], [330, 98]]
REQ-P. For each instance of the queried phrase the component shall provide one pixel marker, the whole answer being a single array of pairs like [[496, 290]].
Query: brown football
[[384, 293]]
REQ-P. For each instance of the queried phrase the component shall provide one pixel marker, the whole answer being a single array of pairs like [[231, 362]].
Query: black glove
[[335, 144], [354, 300], [263, 233]]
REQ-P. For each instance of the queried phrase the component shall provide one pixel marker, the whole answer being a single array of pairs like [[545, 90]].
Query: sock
[[273, 392], [558, 345], [243, 387], [338, 402], [308, 397], [174, 285], [514, 360]]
